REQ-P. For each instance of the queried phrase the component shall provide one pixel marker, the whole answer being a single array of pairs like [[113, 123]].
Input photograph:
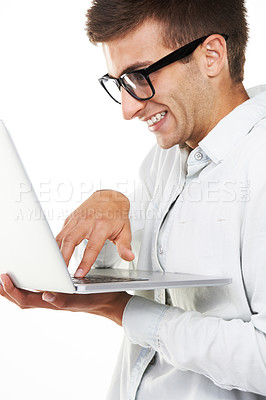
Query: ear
[[214, 55]]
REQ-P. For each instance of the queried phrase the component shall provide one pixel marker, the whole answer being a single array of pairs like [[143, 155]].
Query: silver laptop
[[31, 257]]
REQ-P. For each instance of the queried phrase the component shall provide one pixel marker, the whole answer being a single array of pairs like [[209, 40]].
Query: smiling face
[[180, 110]]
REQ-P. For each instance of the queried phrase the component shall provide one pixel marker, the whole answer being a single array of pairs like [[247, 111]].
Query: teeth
[[156, 118]]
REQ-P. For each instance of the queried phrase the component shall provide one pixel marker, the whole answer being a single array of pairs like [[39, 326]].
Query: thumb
[[123, 244], [58, 300], [125, 252], [49, 297]]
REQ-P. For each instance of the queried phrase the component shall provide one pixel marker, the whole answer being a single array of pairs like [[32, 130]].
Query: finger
[[67, 302], [14, 294], [67, 227], [5, 295], [125, 253], [123, 243], [73, 302], [52, 299], [22, 298], [70, 241], [92, 250]]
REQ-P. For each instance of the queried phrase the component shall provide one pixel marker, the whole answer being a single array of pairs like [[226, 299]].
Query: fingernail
[[2, 280], [79, 273], [48, 297]]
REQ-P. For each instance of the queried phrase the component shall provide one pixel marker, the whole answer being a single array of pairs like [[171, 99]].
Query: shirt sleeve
[[232, 353]]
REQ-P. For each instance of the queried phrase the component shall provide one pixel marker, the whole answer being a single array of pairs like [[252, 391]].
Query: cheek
[[179, 105], [177, 94]]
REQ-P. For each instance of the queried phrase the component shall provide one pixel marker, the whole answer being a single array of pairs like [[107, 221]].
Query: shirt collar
[[235, 126]]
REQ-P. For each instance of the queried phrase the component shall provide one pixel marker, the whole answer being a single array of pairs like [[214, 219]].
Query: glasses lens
[[112, 88], [138, 85]]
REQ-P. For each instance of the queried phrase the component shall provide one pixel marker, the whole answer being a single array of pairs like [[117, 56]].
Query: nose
[[130, 105]]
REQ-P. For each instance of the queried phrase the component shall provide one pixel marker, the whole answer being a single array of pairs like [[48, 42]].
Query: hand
[[102, 216], [109, 305]]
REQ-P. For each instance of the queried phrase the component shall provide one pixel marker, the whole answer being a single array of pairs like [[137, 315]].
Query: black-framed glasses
[[138, 83]]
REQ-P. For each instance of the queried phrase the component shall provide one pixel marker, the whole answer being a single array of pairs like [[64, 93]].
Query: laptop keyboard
[[104, 279]]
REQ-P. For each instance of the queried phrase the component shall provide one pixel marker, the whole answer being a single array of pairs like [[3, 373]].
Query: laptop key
[[104, 279]]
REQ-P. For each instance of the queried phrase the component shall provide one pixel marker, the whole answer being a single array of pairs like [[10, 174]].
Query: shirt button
[[160, 250], [198, 156]]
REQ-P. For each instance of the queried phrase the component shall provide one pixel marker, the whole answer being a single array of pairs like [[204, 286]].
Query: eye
[[138, 79], [134, 80]]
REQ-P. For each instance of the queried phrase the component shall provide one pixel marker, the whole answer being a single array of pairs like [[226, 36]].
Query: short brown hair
[[182, 21]]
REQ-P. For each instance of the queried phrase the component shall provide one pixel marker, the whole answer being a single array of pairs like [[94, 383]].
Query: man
[[199, 208]]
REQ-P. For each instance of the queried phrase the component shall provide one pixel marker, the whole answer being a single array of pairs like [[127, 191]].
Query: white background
[[72, 138]]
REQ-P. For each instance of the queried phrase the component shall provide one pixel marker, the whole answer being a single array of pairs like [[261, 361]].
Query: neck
[[221, 105]]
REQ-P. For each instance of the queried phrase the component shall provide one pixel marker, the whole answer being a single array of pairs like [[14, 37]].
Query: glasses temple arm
[[177, 54]]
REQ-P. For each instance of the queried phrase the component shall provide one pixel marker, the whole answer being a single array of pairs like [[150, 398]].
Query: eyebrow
[[135, 67]]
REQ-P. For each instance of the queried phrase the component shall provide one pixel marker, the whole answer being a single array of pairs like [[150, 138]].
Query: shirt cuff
[[141, 321]]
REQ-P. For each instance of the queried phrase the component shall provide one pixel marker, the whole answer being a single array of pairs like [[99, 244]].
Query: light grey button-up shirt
[[201, 212]]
